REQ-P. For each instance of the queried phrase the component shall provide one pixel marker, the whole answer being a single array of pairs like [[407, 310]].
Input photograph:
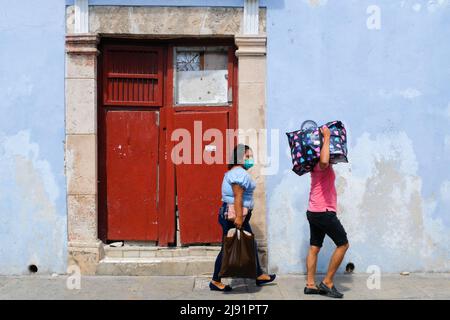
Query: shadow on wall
[[273, 4], [380, 203]]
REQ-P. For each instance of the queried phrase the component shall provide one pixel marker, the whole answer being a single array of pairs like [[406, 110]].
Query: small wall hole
[[32, 268], [349, 267]]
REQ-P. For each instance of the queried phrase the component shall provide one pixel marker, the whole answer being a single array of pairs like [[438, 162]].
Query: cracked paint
[[316, 3], [28, 194], [408, 93]]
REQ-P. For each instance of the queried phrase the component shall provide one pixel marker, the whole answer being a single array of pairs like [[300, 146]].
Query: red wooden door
[[130, 139], [139, 184], [132, 175]]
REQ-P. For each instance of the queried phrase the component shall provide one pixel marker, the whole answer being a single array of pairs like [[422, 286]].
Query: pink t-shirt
[[322, 196]]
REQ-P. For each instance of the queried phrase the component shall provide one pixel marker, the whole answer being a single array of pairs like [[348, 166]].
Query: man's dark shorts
[[325, 223]]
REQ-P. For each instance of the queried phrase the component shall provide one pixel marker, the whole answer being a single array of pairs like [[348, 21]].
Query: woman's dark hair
[[238, 154]]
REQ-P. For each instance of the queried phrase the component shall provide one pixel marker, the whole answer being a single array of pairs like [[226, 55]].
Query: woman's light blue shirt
[[240, 176]]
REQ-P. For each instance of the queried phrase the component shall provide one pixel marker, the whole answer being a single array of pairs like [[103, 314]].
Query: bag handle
[[311, 122]]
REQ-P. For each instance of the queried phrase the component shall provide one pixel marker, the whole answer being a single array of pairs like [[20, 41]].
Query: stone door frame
[[84, 247]]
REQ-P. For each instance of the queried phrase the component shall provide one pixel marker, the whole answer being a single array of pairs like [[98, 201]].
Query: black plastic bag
[[239, 256]]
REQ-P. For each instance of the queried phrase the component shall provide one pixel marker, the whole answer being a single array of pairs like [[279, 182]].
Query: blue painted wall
[[389, 86], [32, 183], [391, 89]]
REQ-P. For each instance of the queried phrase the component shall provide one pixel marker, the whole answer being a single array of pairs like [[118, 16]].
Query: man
[[323, 221]]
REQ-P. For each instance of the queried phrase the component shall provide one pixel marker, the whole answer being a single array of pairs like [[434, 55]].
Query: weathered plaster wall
[[32, 183], [391, 88]]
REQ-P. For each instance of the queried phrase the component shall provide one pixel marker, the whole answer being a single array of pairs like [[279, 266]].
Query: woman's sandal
[[213, 287], [260, 282]]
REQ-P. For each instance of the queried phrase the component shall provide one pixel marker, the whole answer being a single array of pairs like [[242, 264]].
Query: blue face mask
[[248, 163]]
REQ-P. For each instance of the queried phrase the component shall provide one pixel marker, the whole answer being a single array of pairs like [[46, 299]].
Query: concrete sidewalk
[[393, 286]]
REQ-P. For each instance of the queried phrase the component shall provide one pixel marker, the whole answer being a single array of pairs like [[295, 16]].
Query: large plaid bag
[[306, 144]]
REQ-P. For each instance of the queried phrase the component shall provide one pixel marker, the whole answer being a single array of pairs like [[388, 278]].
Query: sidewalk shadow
[[342, 281], [244, 286], [253, 288]]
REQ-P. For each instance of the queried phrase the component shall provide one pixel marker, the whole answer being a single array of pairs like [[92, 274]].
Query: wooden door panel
[[199, 185], [132, 144], [133, 76]]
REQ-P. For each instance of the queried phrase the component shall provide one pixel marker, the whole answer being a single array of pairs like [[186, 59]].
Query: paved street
[[393, 286]]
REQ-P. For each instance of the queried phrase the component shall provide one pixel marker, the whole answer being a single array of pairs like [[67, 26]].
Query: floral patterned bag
[[306, 144]]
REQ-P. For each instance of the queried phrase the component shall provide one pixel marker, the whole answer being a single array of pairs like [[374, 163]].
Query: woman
[[236, 210], [323, 221]]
